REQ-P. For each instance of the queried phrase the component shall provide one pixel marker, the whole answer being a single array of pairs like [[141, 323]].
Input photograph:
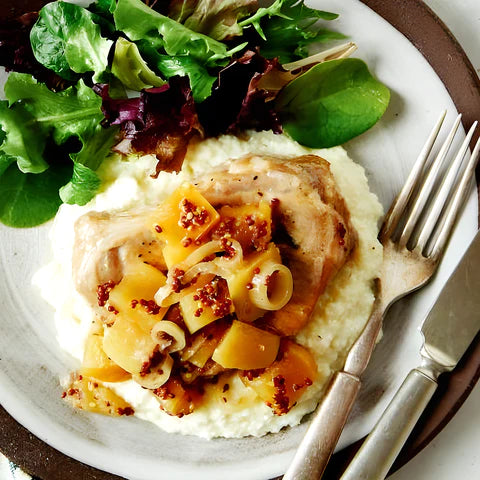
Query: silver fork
[[414, 235]]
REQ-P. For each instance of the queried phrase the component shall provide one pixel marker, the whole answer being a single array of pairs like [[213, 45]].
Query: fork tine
[[424, 193], [398, 206], [454, 206], [444, 192]]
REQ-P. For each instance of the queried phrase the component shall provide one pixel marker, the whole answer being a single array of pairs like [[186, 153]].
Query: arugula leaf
[[332, 103], [131, 69], [21, 143], [140, 22], [27, 200], [66, 38], [211, 17], [275, 9], [169, 66], [75, 111], [288, 36]]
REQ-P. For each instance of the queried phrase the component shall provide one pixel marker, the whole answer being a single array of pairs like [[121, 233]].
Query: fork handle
[[380, 449], [322, 436]]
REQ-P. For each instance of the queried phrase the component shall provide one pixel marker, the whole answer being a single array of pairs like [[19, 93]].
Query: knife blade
[[449, 328], [454, 319]]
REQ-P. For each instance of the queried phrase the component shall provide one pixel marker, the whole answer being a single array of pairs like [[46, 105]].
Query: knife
[[448, 330]]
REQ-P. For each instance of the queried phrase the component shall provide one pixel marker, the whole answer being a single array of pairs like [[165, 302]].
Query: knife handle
[[322, 435], [383, 444]]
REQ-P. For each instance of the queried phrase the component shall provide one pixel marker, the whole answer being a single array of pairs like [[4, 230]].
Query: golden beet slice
[[283, 383], [246, 347], [89, 394]]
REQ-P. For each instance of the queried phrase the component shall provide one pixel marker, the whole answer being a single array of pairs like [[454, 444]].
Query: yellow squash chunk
[[196, 311], [283, 383], [89, 394], [96, 363], [246, 347], [186, 216], [139, 285], [128, 344], [239, 282]]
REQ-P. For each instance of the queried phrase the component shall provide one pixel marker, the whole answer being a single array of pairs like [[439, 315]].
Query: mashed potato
[[339, 316]]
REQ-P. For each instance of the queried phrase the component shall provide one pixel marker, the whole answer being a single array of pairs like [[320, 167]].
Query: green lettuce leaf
[[85, 183], [75, 111], [131, 69], [332, 103], [218, 20], [82, 187], [201, 80], [57, 142], [65, 38], [140, 22], [22, 142]]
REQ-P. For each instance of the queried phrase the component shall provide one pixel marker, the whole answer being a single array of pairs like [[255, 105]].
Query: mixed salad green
[[138, 79]]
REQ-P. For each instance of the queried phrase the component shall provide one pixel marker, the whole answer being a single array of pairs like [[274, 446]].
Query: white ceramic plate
[[31, 361]]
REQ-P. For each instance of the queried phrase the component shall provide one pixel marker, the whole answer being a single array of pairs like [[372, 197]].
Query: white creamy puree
[[338, 317]]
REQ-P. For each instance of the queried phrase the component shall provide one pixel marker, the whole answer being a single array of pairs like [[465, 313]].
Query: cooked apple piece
[[185, 217], [283, 383], [177, 399], [249, 224], [128, 344], [134, 295], [96, 363], [89, 394], [240, 284], [202, 344], [246, 347], [206, 304]]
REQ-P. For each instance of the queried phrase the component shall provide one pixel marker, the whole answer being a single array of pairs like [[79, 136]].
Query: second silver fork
[[414, 235]]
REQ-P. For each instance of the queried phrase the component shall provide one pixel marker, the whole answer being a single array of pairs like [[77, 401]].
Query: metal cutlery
[[449, 328], [414, 236]]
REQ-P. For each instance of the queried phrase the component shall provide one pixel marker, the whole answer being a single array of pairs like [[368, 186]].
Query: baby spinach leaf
[[140, 22], [65, 37], [332, 103], [21, 142], [27, 199]]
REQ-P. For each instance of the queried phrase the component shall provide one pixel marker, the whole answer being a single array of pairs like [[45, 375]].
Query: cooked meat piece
[[104, 243], [312, 213], [308, 208]]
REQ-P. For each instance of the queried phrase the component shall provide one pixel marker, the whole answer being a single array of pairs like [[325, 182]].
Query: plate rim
[[419, 24]]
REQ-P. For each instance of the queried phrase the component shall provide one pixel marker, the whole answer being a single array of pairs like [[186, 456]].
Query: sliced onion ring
[[171, 329], [158, 376], [282, 291]]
